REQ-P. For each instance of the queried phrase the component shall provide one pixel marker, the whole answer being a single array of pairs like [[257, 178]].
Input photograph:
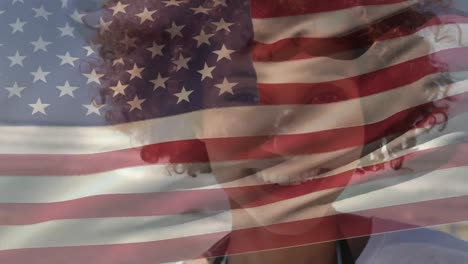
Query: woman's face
[[320, 130], [262, 143]]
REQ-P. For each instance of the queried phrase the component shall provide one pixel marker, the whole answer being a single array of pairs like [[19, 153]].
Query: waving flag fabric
[[105, 104]]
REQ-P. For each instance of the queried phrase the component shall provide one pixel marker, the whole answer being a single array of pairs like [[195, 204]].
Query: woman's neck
[[317, 253], [288, 250]]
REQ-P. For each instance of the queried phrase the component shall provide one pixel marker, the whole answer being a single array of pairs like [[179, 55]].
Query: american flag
[[105, 104]]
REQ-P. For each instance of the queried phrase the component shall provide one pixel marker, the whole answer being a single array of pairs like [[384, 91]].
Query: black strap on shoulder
[[220, 260], [346, 256]]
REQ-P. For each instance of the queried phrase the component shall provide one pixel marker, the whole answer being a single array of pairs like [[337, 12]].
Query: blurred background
[[459, 230]]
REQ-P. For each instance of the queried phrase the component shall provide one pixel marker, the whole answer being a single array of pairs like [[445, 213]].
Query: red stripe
[[114, 205], [241, 148], [279, 8], [303, 48], [435, 212], [179, 202], [379, 81], [63, 164], [141, 253]]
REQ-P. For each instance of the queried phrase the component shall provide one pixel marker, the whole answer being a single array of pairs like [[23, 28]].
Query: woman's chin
[[291, 226], [288, 219]]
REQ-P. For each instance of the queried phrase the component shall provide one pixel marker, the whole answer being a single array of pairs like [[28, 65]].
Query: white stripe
[[308, 118], [100, 231], [439, 184], [155, 178], [146, 179], [381, 55], [325, 24], [87, 140]]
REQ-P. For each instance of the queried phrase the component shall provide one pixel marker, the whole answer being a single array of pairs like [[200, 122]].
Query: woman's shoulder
[[418, 245], [392, 241]]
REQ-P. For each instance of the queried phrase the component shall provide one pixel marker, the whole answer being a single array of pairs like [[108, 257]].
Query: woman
[[276, 159]]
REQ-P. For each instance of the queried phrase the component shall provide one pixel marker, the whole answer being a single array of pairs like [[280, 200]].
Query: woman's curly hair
[[430, 115]]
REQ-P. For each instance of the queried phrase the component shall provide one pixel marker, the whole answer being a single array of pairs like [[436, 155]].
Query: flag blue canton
[[167, 58]]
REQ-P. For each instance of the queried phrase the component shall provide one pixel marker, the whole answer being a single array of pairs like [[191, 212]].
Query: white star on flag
[[159, 82], [181, 62], [175, 30], [203, 38], [119, 89], [18, 26], [16, 59], [40, 75], [146, 15], [104, 26], [91, 48], [222, 25], [135, 103], [183, 95], [206, 72], [118, 61], [223, 53], [66, 31], [173, 2], [77, 16], [41, 12], [67, 59], [225, 87], [200, 10], [135, 72], [67, 89], [40, 44], [15, 90], [93, 77], [118, 8], [156, 50], [39, 107], [93, 108]]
